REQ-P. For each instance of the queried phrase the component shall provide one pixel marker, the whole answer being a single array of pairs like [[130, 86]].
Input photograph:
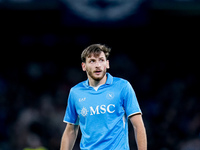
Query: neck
[[96, 83]]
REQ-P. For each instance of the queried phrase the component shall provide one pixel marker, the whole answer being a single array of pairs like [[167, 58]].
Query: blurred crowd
[[33, 99], [156, 53]]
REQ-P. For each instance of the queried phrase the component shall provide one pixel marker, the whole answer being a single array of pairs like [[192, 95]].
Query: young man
[[101, 106]]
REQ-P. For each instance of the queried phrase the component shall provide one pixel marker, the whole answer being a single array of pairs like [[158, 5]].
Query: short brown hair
[[95, 49]]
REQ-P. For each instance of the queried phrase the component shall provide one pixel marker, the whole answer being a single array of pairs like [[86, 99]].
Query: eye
[[101, 60], [91, 61]]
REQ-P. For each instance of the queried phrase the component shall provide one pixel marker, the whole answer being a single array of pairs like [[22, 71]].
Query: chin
[[97, 78]]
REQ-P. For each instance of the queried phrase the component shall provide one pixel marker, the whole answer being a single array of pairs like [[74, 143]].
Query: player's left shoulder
[[120, 81]]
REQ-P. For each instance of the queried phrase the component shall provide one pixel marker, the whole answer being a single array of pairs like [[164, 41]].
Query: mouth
[[97, 71]]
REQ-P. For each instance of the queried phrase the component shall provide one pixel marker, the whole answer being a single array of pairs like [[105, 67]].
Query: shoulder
[[123, 84], [121, 81]]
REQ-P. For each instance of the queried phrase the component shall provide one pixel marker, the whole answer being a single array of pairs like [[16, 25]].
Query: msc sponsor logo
[[84, 111], [99, 109]]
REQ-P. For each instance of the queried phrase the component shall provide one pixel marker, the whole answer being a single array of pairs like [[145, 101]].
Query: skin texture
[[139, 130], [96, 68]]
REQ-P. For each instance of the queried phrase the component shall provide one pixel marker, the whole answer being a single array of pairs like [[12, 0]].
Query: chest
[[92, 103]]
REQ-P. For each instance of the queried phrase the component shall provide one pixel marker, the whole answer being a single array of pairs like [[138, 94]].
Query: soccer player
[[101, 106]]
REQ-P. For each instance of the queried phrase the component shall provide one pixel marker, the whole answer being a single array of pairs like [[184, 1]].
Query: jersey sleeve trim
[[136, 113], [70, 122]]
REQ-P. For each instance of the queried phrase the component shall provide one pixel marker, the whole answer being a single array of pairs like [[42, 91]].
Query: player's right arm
[[69, 137]]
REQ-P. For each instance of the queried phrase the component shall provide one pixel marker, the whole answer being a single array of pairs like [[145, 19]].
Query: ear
[[83, 66], [107, 64]]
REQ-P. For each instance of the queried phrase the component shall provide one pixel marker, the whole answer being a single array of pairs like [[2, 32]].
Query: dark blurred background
[[154, 45]]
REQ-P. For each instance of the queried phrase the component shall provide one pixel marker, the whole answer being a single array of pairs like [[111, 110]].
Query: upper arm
[[71, 115], [139, 130], [130, 102], [136, 120], [71, 128], [69, 136]]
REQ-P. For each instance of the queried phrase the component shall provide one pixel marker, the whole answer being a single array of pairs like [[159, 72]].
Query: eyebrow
[[96, 58]]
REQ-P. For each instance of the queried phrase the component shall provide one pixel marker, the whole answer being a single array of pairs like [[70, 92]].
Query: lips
[[97, 71]]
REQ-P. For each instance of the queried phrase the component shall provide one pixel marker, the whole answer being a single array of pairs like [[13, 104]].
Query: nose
[[98, 64]]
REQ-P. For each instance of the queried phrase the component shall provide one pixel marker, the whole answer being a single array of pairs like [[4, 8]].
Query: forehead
[[96, 55]]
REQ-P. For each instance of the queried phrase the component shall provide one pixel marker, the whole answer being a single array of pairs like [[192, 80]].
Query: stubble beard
[[97, 78]]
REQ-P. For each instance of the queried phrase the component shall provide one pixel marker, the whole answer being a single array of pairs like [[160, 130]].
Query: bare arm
[[69, 137], [140, 131]]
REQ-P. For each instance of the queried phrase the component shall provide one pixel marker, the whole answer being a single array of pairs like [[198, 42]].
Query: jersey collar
[[108, 81], [109, 78]]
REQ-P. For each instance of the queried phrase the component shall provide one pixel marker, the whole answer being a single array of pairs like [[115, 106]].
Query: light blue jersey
[[102, 114]]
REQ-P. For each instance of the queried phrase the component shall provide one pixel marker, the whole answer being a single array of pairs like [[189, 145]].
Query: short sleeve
[[130, 102], [71, 115]]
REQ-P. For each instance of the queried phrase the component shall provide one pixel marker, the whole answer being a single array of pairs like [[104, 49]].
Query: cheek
[[88, 68], [105, 67]]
